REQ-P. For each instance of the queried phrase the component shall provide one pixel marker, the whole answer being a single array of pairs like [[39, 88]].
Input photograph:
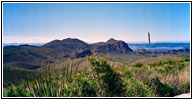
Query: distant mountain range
[[159, 46], [133, 46], [32, 57], [159, 52], [17, 44]]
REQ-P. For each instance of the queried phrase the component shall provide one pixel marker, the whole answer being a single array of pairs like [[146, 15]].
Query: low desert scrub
[[152, 82], [160, 79], [103, 81], [170, 77]]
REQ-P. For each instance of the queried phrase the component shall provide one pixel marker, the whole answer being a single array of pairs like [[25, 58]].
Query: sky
[[96, 22]]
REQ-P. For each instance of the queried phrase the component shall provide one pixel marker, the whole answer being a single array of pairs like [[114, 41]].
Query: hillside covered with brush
[[163, 78], [74, 68]]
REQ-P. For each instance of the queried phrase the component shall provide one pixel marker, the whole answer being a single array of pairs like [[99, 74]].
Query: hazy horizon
[[25, 40], [96, 22], [138, 42], [134, 46]]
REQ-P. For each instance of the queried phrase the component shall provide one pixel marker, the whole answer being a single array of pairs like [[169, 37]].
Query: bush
[[138, 89], [187, 59], [156, 64], [138, 65], [110, 82], [170, 62], [181, 66], [162, 90], [81, 86], [169, 68], [128, 74], [17, 92]]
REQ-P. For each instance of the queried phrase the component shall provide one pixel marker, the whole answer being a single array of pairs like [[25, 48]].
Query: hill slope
[[32, 57]]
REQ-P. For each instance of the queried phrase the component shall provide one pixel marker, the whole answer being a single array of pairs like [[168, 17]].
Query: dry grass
[[184, 77], [148, 60], [176, 77]]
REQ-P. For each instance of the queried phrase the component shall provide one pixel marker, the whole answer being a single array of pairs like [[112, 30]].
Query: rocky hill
[[111, 46], [31, 57]]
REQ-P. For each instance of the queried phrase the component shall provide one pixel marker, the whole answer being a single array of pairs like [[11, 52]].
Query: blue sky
[[95, 22]]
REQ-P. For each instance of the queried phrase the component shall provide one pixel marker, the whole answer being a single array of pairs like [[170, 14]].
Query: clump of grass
[[51, 84], [138, 65], [184, 80]]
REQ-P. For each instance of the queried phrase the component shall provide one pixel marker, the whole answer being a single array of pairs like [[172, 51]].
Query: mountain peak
[[111, 40], [70, 39], [73, 40]]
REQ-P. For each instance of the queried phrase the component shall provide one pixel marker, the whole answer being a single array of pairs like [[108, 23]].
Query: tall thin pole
[[150, 46], [149, 40]]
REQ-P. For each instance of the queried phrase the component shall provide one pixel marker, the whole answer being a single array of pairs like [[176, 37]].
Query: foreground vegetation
[[160, 79]]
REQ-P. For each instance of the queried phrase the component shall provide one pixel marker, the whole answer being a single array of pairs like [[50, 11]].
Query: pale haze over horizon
[[96, 22]]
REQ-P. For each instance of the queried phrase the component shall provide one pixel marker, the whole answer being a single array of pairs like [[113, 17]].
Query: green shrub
[[160, 71], [184, 89], [187, 59], [138, 89], [17, 92], [167, 69], [162, 90], [138, 65], [170, 62], [128, 74], [181, 66], [156, 64], [110, 82], [81, 86]]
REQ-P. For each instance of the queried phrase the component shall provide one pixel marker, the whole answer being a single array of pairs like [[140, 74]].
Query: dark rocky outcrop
[[111, 46], [83, 54]]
